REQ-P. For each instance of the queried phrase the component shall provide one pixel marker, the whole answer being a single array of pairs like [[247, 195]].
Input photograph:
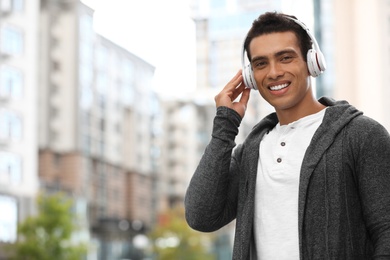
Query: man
[[312, 180]]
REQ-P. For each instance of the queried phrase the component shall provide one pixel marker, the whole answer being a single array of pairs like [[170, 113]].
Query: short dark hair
[[273, 22]]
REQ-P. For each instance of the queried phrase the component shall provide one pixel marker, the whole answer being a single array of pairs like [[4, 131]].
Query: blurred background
[[111, 103]]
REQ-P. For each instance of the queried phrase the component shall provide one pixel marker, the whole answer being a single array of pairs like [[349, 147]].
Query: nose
[[275, 70]]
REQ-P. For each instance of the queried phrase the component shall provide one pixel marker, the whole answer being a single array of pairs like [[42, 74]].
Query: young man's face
[[280, 71]]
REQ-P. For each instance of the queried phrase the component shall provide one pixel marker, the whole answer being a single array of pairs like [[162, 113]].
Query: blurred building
[[78, 114], [187, 127], [96, 113], [18, 114]]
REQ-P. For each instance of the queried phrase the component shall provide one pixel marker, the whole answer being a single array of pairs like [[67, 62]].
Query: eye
[[286, 58], [259, 64]]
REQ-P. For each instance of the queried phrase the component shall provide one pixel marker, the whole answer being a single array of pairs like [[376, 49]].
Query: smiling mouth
[[278, 87]]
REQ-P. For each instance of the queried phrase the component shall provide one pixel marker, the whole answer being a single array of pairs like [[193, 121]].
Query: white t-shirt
[[276, 208]]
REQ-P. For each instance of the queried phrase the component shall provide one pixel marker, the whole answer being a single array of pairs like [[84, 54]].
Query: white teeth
[[279, 87]]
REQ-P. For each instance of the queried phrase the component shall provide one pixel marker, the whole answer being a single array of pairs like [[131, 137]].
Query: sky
[[159, 32]]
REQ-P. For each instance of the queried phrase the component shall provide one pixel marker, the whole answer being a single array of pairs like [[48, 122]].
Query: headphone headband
[[315, 59], [304, 27]]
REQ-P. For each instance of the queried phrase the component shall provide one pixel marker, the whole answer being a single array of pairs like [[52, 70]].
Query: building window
[[11, 82], [86, 74], [102, 84], [9, 221], [12, 5], [18, 5], [217, 4], [56, 160], [10, 125], [128, 71], [10, 168], [101, 102], [118, 128], [86, 28], [102, 125], [127, 94], [56, 65], [102, 147], [213, 65], [101, 57], [12, 40], [86, 143], [86, 98]]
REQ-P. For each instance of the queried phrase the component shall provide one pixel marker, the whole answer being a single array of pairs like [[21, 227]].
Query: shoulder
[[341, 114], [367, 133], [366, 125]]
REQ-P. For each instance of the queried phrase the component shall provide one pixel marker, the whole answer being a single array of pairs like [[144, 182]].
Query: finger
[[238, 90], [245, 96], [234, 82]]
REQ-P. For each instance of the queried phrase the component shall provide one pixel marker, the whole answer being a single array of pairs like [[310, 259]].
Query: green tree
[[48, 235], [172, 238]]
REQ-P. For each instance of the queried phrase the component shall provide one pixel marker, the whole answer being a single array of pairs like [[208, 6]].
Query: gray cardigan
[[344, 189]]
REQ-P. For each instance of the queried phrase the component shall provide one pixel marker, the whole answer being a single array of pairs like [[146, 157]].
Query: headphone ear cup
[[321, 61], [315, 63], [249, 80], [312, 63]]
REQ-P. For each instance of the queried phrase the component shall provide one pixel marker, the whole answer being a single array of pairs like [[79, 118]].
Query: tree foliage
[[48, 235], [172, 238]]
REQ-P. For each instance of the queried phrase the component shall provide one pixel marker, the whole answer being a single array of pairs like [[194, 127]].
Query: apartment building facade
[[96, 112], [78, 115], [18, 114], [186, 125]]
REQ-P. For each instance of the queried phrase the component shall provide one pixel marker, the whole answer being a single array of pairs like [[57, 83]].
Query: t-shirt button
[[279, 160], [282, 143]]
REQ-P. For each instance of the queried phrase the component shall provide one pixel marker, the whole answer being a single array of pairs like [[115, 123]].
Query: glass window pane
[[12, 40], [10, 125], [8, 222], [18, 5], [10, 168], [11, 82], [6, 5]]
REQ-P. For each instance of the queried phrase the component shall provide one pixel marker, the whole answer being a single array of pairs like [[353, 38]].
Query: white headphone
[[315, 60]]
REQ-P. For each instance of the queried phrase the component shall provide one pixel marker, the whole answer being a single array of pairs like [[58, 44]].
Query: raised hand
[[231, 91]]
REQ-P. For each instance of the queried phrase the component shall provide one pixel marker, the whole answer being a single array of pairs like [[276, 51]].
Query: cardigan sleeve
[[373, 169], [211, 198]]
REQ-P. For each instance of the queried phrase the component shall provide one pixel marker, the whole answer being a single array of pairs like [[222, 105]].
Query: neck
[[287, 116]]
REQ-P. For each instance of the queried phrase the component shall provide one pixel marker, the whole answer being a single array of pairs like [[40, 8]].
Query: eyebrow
[[278, 54]]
